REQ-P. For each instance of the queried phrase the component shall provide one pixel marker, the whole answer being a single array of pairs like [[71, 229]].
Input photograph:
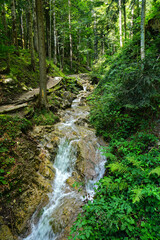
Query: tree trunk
[[25, 24], [42, 55], [31, 46], [63, 44], [59, 51], [6, 33], [120, 22], [70, 34], [35, 27], [54, 31], [14, 24], [95, 37], [22, 30], [143, 30], [124, 15], [50, 32], [132, 18]]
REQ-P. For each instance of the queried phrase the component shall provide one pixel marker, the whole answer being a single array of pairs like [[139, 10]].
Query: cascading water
[[64, 165], [90, 185]]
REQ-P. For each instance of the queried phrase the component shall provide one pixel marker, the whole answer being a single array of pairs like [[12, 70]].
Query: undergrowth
[[127, 200], [125, 111], [11, 128], [44, 117]]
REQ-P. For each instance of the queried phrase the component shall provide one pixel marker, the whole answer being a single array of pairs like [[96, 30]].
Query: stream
[[78, 160]]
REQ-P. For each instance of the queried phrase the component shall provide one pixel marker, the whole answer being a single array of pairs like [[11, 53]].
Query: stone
[[65, 213], [7, 80], [5, 232], [47, 171]]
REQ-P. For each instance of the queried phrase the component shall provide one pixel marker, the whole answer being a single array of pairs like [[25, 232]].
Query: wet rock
[[69, 96], [88, 157], [65, 104], [7, 80], [82, 122], [47, 170], [25, 209], [65, 213], [5, 233], [49, 146]]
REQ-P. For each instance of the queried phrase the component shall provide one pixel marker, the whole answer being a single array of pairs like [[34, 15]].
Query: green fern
[[117, 167], [110, 156], [156, 170], [106, 181], [137, 195], [135, 162], [123, 185]]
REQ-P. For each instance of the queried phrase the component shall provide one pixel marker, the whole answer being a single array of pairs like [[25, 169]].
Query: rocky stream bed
[[66, 162]]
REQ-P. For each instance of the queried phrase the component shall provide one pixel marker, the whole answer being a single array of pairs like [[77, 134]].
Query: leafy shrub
[[44, 118], [124, 107], [127, 201], [126, 94]]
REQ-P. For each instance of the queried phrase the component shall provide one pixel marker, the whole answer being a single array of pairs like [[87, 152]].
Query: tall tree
[[42, 55], [35, 27], [95, 36], [125, 19], [143, 30], [22, 30], [31, 45], [50, 31], [14, 23], [6, 33], [120, 22], [70, 34], [54, 32]]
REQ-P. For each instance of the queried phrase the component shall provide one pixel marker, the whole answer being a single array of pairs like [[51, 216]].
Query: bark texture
[[31, 45], [120, 22], [54, 32], [70, 34], [42, 55], [6, 33], [14, 23], [143, 30]]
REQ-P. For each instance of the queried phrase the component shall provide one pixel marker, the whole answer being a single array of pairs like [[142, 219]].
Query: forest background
[[119, 42]]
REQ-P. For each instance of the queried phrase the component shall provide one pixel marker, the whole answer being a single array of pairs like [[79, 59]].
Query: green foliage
[[10, 129], [126, 94], [125, 109], [44, 117], [12, 125], [127, 201]]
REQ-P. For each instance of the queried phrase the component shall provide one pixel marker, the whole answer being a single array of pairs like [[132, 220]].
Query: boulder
[[5, 233], [65, 213]]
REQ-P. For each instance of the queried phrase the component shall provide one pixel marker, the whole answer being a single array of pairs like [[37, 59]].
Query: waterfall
[[74, 134], [64, 163]]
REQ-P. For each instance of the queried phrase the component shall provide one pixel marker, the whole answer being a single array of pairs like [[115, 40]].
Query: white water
[[90, 185], [64, 166]]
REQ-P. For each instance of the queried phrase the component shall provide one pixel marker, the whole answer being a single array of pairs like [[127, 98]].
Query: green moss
[[44, 117], [10, 129]]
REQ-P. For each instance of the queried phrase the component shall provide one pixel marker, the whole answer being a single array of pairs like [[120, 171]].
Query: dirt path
[[23, 99]]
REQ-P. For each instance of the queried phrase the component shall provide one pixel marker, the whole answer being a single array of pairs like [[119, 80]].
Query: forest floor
[[22, 100]]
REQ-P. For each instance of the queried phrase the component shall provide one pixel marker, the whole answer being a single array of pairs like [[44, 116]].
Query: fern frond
[[138, 195], [123, 185], [110, 156], [134, 161], [106, 181], [117, 167], [156, 170]]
